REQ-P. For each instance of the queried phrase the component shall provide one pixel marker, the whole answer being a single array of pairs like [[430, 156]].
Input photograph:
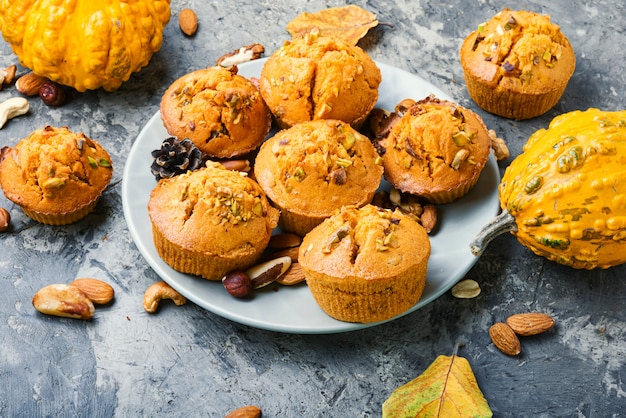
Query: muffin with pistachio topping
[[314, 168], [366, 264], [517, 64], [221, 112], [55, 175], [210, 221], [436, 150]]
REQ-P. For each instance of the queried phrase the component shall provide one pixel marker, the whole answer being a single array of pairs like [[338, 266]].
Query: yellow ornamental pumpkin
[[84, 44], [564, 197]]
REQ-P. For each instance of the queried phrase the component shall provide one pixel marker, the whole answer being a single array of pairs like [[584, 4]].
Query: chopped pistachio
[[344, 162], [348, 140], [299, 174], [103, 162], [92, 162], [53, 183], [461, 138], [481, 27]]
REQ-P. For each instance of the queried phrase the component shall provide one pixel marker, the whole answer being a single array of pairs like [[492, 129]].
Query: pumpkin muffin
[[314, 168], [210, 221], [56, 176], [221, 112], [317, 77], [517, 64], [436, 150], [366, 265]]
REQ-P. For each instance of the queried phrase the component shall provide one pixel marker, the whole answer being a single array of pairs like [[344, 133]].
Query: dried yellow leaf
[[447, 388], [349, 23]]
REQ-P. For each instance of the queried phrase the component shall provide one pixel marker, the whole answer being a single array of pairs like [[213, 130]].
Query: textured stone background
[[186, 361]]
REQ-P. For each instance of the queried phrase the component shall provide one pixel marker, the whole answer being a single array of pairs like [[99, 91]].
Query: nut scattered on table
[[531, 323], [29, 84], [7, 75], [466, 289], [249, 411], [158, 292], [5, 219], [63, 300], [96, 290], [505, 339], [52, 94], [188, 22], [11, 108]]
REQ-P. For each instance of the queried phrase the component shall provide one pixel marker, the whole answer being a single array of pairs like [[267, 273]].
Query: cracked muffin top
[[436, 150], [221, 112], [55, 175], [213, 211], [316, 167], [366, 264], [517, 64], [317, 77]]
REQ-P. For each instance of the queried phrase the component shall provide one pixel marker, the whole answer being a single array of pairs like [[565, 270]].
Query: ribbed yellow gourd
[[84, 44], [564, 197]]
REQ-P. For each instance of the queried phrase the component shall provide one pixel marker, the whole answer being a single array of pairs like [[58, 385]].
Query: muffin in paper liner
[[210, 221], [55, 175], [366, 264], [517, 64]]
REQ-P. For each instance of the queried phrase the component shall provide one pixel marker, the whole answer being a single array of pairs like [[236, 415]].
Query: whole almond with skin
[[63, 300], [29, 84], [531, 323], [284, 240], [96, 290], [293, 276], [505, 339], [188, 22], [250, 411]]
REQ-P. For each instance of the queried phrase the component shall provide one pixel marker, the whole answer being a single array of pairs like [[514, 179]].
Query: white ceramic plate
[[292, 309]]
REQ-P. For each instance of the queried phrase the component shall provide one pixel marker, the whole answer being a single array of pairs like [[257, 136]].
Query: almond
[[505, 339], [249, 411], [63, 300], [294, 275], [96, 290], [284, 240], [188, 22], [531, 323], [292, 253], [29, 84]]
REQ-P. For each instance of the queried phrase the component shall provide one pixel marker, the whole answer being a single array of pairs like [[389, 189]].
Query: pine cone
[[176, 157]]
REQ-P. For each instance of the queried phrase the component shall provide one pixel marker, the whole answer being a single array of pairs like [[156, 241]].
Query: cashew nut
[[159, 291], [15, 106]]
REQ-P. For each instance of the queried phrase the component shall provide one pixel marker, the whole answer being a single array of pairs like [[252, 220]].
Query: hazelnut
[[237, 283], [5, 219], [52, 94]]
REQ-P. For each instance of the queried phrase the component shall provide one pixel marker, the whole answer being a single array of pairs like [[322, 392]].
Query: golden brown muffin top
[[54, 170], [316, 167], [519, 50], [221, 112], [436, 145], [212, 210], [367, 243], [317, 77]]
